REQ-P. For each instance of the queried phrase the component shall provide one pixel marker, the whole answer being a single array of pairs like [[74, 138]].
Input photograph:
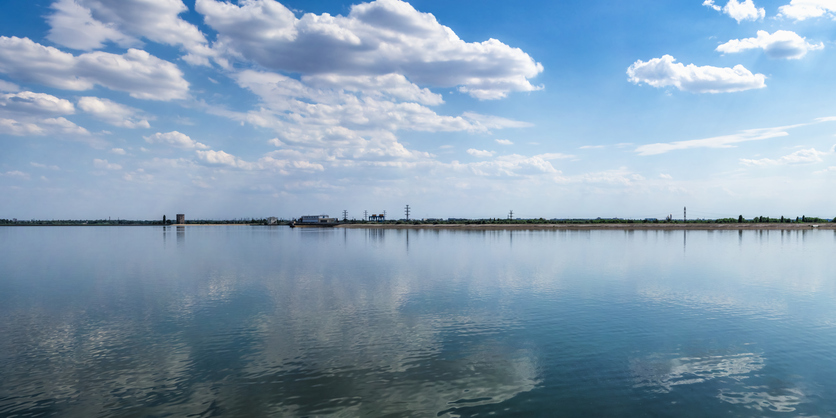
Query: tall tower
[[685, 214], [406, 210]]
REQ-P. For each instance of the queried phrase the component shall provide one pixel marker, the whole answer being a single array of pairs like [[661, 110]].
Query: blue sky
[[139, 108]]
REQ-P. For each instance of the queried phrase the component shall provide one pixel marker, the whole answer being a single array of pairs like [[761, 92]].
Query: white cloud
[[73, 26], [395, 86], [113, 113], [136, 72], [89, 24], [665, 176], [35, 104], [803, 156], [781, 44], [485, 122], [222, 158], [44, 166], [16, 173], [738, 11], [664, 72], [592, 147], [375, 39], [41, 127], [504, 142], [807, 9], [105, 165], [118, 151], [5, 86], [480, 153], [725, 141], [175, 139]]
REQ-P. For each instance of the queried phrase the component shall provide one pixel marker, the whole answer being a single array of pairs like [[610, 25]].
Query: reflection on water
[[660, 374], [273, 321], [782, 400]]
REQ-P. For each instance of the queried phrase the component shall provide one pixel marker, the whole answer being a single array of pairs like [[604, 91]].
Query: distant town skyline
[[217, 109]]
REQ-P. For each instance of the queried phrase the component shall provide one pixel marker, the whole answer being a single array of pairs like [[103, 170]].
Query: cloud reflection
[[662, 375]]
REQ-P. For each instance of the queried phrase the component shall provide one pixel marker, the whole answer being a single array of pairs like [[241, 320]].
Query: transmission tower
[[345, 216], [365, 215], [407, 212], [511, 215], [685, 214]]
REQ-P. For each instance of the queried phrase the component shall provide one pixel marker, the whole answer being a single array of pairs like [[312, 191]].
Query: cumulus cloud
[[375, 39], [113, 113], [136, 72], [89, 24], [480, 153], [38, 114], [105, 165], [174, 139], [781, 44], [665, 72], [504, 142], [118, 151], [394, 86], [221, 158], [803, 156], [35, 104], [738, 11], [41, 127], [807, 9], [73, 26]]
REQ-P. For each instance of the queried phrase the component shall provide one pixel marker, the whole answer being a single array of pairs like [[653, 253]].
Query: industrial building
[[317, 219], [181, 219]]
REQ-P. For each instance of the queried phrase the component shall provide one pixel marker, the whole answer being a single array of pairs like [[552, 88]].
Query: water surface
[[271, 321]]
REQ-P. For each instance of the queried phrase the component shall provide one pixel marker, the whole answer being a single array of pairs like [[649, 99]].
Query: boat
[[314, 221]]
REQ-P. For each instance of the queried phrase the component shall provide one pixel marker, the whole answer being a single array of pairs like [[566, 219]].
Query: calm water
[[272, 321]]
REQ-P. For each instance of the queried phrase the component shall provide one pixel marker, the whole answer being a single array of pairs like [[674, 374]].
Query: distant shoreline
[[523, 227], [598, 227]]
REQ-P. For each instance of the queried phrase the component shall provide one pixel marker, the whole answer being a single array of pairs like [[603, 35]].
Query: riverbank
[[605, 227]]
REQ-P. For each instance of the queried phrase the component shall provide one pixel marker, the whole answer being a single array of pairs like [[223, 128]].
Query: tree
[[740, 219]]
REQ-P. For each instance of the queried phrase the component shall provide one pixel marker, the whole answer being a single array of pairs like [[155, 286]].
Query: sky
[[135, 109]]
